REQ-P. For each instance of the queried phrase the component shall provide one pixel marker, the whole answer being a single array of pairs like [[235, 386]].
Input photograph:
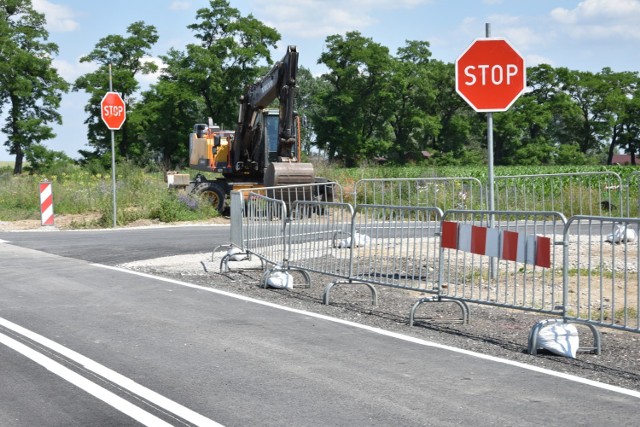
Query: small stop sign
[[113, 110], [490, 75]]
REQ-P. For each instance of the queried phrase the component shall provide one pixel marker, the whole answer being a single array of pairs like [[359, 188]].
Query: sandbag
[[280, 280], [622, 234], [560, 338], [358, 240], [236, 254]]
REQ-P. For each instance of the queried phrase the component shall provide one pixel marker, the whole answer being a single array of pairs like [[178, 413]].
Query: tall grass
[[340, 174], [578, 193], [76, 190], [143, 194]]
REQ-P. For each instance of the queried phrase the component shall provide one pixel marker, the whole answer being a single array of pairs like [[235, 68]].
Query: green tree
[[232, 47], [167, 114], [30, 88], [536, 113], [586, 119], [523, 135], [308, 89], [414, 119], [204, 80], [43, 160], [618, 106], [461, 131], [508, 132], [630, 135], [357, 106], [128, 57]]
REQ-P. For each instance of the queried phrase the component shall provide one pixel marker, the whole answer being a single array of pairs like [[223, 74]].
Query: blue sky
[[581, 35]]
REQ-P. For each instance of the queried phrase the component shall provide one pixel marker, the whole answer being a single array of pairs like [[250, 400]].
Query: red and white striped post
[[46, 203]]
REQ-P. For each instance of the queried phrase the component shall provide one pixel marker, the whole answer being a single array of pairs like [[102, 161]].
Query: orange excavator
[[263, 150]]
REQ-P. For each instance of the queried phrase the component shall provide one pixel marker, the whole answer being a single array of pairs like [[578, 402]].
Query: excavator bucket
[[284, 173], [289, 174]]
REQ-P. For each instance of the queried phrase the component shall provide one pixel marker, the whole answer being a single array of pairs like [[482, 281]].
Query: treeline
[[369, 104]]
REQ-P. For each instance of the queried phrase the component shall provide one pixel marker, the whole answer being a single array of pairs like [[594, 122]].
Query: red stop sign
[[490, 75], [113, 110]]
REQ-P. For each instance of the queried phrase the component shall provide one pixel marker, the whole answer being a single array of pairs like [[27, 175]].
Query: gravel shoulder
[[491, 331]]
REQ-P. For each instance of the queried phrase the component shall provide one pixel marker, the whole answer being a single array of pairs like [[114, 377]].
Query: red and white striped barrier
[[503, 244], [46, 203]]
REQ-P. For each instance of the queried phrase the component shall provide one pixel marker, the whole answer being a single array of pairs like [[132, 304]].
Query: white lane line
[[396, 335], [114, 377], [81, 382]]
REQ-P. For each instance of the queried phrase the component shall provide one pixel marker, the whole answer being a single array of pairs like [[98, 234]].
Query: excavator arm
[[279, 83]]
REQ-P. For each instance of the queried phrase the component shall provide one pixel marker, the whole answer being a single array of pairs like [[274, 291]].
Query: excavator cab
[[209, 148], [271, 136]]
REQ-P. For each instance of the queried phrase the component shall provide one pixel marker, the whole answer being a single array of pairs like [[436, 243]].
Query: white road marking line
[[81, 382], [379, 331], [114, 377]]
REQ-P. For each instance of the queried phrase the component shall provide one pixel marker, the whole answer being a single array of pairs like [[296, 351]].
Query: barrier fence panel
[[633, 195], [315, 235], [601, 276], [396, 246], [517, 263], [264, 227], [584, 193], [445, 193], [321, 191]]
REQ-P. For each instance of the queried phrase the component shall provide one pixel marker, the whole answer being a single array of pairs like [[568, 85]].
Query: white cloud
[[523, 38], [149, 79], [320, 18], [533, 60], [71, 71], [504, 20], [59, 18], [180, 5], [600, 19], [512, 28]]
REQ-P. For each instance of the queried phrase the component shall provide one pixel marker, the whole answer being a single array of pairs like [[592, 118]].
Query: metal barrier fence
[[264, 228], [396, 246], [312, 237], [445, 193], [527, 260], [372, 244], [517, 263], [601, 279], [240, 215], [584, 193]]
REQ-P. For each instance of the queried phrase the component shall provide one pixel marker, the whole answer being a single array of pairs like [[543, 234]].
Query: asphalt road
[[84, 344], [117, 246]]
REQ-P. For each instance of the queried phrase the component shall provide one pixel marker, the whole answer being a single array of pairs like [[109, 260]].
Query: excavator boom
[[279, 83]]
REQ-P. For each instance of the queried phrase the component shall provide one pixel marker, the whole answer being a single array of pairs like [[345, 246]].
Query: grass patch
[[139, 195]]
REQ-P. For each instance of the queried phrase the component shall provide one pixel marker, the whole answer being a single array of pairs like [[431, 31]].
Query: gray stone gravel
[[492, 331]]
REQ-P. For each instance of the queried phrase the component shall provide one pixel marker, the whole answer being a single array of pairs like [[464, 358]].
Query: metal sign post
[[114, 112], [113, 160], [490, 149]]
